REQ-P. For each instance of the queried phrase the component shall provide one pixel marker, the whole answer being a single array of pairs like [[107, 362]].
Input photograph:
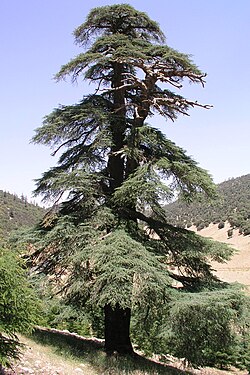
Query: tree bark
[[118, 127], [117, 325], [117, 319]]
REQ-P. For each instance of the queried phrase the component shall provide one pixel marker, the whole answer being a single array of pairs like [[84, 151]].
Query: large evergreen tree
[[107, 238]]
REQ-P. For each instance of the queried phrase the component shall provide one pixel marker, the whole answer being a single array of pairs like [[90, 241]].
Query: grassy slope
[[49, 355], [233, 205], [16, 213], [45, 359]]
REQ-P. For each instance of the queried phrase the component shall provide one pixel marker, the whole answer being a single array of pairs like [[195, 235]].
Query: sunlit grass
[[92, 354]]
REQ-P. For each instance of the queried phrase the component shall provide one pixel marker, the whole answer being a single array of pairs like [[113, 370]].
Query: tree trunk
[[117, 325], [118, 127]]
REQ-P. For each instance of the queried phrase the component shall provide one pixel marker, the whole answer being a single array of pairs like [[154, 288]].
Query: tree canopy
[[107, 238]]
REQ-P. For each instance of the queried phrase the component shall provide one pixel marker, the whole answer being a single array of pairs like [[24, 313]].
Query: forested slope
[[232, 204], [16, 213]]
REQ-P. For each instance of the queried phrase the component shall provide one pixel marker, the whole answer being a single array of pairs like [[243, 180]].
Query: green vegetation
[[232, 205], [108, 246], [19, 308], [210, 329], [16, 213]]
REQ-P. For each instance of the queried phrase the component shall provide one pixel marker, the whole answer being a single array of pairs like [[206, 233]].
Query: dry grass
[[238, 268], [44, 359], [54, 352], [49, 354]]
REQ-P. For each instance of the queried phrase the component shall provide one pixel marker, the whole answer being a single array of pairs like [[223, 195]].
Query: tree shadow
[[91, 350]]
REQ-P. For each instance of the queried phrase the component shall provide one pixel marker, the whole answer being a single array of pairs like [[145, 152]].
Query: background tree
[[19, 308], [107, 234]]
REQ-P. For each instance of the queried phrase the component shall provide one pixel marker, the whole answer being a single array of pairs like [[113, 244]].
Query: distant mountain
[[17, 213], [232, 205]]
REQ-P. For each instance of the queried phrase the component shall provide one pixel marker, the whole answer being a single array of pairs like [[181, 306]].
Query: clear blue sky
[[36, 39]]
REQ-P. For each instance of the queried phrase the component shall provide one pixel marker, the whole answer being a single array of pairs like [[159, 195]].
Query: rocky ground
[[37, 359]]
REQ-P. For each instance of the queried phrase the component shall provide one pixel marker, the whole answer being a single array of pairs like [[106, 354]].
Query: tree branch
[[87, 134]]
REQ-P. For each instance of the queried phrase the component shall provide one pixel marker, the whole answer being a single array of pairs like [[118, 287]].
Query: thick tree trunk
[[117, 325], [118, 127]]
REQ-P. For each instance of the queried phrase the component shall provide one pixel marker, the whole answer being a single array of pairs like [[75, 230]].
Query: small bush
[[221, 225], [201, 226], [207, 330], [246, 229], [19, 307]]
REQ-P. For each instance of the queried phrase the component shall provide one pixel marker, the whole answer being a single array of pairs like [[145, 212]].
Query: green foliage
[[138, 23], [201, 226], [127, 273], [221, 225], [19, 308], [209, 328], [60, 314], [65, 317], [108, 243], [200, 328], [246, 229], [230, 233]]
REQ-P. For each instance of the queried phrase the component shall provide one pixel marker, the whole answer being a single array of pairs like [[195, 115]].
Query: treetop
[[119, 18]]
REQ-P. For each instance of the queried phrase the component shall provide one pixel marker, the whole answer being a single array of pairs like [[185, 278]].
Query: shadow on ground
[[91, 351]]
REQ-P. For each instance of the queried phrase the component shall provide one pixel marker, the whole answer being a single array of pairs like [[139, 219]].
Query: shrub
[[207, 330], [201, 226], [19, 308], [221, 225], [246, 229]]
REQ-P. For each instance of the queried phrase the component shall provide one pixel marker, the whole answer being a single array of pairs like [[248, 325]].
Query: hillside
[[232, 205], [17, 213], [48, 355], [238, 267], [226, 220]]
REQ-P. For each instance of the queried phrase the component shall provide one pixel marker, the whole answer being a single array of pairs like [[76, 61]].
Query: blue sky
[[36, 39]]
